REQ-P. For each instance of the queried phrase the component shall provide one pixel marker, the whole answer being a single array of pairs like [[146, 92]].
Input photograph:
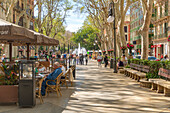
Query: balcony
[[160, 36]]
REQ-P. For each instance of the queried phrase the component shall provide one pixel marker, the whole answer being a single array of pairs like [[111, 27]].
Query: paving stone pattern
[[99, 90]]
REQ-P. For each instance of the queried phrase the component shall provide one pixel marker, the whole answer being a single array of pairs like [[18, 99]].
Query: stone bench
[[137, 71], [161, 85]]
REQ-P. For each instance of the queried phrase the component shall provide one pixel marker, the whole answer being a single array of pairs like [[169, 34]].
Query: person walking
[[80, 59], [99, 60], [86, 58], [106, 60], [77, 59]]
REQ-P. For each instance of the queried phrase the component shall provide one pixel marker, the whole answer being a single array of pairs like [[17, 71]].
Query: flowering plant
[[169, 38], [130, 46], [8, 74], [123, 48], [21, 50], [1, 49], [151, 45]]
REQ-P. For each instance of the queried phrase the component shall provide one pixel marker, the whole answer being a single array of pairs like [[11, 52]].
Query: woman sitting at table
[[39, 68]]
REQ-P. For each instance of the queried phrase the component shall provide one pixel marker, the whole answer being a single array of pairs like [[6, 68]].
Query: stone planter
[[8, 93]]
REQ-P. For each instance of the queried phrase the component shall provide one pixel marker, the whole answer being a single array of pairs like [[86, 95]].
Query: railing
[[160, 36]]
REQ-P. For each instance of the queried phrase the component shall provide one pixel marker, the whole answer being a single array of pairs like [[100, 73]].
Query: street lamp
[[111, 18]]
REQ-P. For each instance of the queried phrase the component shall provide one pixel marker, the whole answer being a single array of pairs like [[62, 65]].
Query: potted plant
[[130, 47], [8, 83], [123, 48]]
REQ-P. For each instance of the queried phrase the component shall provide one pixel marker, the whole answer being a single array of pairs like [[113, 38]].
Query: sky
[[74, 21]]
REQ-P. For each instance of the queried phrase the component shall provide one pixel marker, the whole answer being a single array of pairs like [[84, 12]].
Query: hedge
[[154, 66]]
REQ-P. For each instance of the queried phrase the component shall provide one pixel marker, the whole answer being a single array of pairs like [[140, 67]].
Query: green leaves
[[86, 37], [154, 66]]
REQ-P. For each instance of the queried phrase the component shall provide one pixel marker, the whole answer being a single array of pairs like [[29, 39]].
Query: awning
[[14, 33], [18, 35]]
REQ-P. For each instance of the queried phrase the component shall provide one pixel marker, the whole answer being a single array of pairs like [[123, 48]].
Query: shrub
[[154, 66]]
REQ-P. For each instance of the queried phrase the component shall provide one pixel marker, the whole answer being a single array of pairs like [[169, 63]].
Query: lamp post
[[69, 55], [64, 48], [111, 18]]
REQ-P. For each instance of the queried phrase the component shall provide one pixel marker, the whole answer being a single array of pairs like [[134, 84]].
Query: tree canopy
[[86, 36]]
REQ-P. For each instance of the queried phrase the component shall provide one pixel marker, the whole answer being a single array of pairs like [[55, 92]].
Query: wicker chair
[[55, 87], [38, 89]]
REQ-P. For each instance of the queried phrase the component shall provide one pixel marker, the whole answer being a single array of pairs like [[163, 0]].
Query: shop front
[[161, 49]]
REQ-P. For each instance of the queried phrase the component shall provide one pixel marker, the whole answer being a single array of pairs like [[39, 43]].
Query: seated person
[[51, 76], [36, 67], [119, 64], [63, 69], [39, 68]]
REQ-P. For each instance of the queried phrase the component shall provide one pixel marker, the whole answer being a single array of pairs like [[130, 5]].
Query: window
[[160, 11], [13, 16], [166, 8], [126, 37], [125, 29], [31, 26]]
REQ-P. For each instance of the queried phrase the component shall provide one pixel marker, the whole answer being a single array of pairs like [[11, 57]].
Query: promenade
[[99, 90]]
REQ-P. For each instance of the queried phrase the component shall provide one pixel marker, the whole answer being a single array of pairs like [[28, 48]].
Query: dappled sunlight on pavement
[[99, 90]]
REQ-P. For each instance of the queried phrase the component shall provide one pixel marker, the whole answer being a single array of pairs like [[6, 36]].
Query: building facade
[[22, 14], [136, 21], [161, 45], [127, 28]]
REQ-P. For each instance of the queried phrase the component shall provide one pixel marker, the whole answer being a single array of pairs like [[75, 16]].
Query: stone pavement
[[99, 90]]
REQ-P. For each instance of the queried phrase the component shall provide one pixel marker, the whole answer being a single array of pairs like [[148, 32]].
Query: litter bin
[[111, 63], [26, 91]]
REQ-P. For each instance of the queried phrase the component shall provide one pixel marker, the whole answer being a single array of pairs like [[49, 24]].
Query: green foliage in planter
[[8, 74], [145, 62], [129, 61], [154, 68], [127, 66], [165, 64], [135, 61]]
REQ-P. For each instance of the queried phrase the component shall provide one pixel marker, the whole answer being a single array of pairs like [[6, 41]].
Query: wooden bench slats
[[164, 73], [137, 71]]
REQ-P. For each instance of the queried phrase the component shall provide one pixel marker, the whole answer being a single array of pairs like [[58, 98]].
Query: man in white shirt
[[63, 69]]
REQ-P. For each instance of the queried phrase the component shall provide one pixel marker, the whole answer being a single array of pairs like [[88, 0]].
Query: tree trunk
[[144, 31], [122, 34], [39, 16], [144, 45]]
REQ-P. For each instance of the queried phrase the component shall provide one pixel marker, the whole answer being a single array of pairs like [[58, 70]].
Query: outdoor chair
[[55, 87], [38, 89], [65, 78]]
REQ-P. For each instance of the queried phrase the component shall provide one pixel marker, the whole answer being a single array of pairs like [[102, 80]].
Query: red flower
[[130, 46]]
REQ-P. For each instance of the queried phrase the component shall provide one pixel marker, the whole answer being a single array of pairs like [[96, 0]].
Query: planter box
[[8, 93]]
